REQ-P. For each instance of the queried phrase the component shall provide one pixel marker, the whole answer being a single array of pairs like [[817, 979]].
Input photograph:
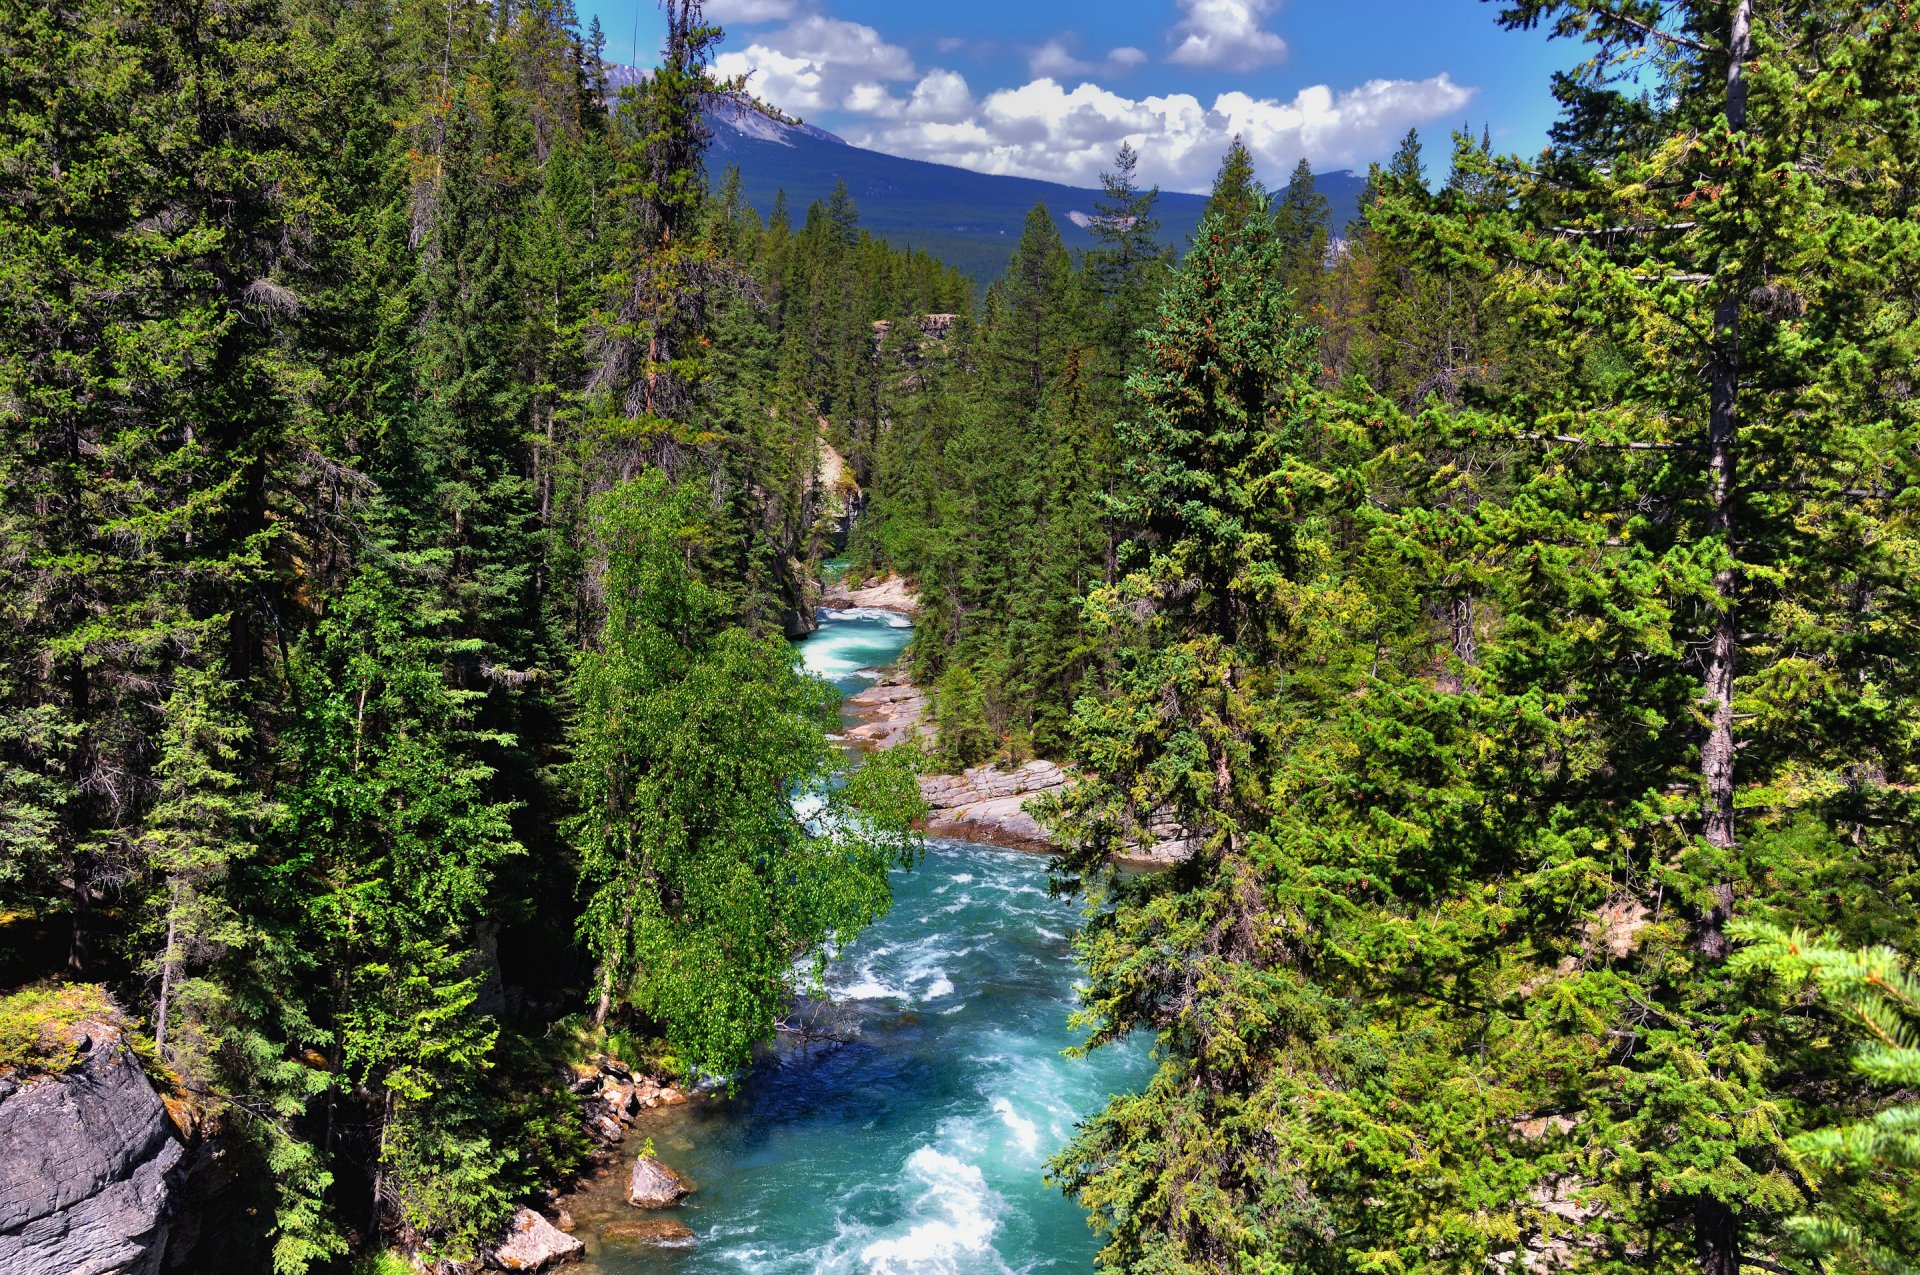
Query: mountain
[[969, 220]]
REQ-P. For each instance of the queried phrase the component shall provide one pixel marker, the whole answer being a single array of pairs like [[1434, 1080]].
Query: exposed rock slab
[[660, 1232], [533, 1244], [655, 1186], [887, 593], [990, 803], [886, 715], [987, 803], [88, 1167]]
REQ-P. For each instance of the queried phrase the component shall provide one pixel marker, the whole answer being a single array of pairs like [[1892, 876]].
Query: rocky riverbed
[[988, 803]]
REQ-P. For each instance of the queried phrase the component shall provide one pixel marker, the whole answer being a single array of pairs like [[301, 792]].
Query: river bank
[[902, 1121], [986, 803]]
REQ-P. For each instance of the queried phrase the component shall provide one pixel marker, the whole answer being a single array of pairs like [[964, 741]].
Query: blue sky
[[1050, 88]]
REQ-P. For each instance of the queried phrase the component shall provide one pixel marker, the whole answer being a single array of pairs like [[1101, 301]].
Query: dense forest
[[415, 468], [1518, 590], [410, 479]]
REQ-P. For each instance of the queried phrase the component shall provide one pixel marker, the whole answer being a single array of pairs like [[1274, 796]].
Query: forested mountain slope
[[969, 220]]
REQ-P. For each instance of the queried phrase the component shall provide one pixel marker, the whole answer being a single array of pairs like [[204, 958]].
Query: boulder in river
[[533, 1244], [661, 1232], [655, 1186]]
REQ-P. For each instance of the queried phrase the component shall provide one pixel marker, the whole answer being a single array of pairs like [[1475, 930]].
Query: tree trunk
[[607, 968], [1716, 1237], [1716, 1230], [166, 971], [1723, 428]]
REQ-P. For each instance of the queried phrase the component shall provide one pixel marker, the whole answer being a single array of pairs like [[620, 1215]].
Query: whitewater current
[[906, 1127]]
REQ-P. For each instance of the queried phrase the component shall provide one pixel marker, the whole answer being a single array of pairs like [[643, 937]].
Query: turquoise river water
[[914, 1137]]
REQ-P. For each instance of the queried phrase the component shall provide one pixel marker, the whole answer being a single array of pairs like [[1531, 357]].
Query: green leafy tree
[[692, 740]]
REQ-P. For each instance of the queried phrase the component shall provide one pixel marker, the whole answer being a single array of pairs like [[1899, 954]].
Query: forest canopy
[[417, 466]]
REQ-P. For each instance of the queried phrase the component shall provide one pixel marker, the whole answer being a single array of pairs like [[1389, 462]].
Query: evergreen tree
[[1129, 266], [1870, 1167], [1238, 199], [1300, 221]]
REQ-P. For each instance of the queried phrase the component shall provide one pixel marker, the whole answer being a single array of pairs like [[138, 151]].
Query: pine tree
[[1129, 267], [1300, 220], [1237, 199], [1232, 648], [1870, 1167]]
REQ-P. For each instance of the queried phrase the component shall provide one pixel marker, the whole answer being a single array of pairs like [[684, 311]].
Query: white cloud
[[834, 42], [1042, 129], [818, 62], [869, 98], [749, 10], [941, 98], [1226, 35], [1054, 58]]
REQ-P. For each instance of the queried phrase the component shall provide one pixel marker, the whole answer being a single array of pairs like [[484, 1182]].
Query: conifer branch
[[1576, 441], [1679, 41]]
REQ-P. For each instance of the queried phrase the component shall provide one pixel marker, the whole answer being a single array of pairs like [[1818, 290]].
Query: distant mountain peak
[[727, 114], [968, 219], [744, 120]]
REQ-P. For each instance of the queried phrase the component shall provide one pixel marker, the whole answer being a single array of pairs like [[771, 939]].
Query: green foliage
[[386, 1262], [960, 709], [692, 738], [1497, 656], [329, 323], [36, 1025], [1869, 1167]]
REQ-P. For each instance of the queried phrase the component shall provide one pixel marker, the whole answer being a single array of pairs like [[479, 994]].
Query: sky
[[1050, 88]]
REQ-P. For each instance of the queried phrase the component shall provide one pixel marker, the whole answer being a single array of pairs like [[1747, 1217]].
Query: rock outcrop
[[886, 715], [612, 1095], [533, 1244], [655, 1186], [888, 593], [989, 803], [89, 1165]]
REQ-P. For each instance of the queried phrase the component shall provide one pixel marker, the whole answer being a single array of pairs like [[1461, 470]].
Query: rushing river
[[915, 1138]]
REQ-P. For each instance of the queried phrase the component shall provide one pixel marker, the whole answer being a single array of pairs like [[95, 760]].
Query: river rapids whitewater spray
[[916, 1140]]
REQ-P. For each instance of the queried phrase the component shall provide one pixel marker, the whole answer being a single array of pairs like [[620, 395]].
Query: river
[[915, 1139]]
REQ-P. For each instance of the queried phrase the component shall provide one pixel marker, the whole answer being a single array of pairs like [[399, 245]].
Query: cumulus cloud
[[1226, 35], [1056, 60], [1053, 58], [941, 98], [1042, 129], [816, 63], [749, 10]]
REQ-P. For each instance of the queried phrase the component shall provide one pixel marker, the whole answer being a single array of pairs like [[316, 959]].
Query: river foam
[[906, 1128]]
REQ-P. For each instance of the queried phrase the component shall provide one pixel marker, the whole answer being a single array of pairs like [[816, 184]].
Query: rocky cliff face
[[89, 1164]]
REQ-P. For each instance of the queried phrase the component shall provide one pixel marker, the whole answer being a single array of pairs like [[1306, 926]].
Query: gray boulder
[[533, 1244], [88, 1167], [655, 1186]]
